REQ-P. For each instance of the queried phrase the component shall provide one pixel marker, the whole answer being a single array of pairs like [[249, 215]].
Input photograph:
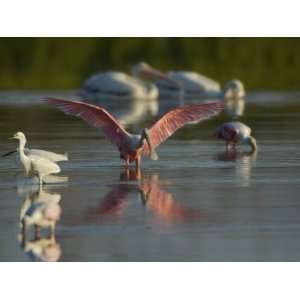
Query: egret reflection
[[39, 213]]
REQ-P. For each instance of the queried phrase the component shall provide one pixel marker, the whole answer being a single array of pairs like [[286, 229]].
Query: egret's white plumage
[[52, 156], [41, 209], [34, 164], [44, 249]]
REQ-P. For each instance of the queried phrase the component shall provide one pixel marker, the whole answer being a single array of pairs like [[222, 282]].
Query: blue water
[[194, 204]]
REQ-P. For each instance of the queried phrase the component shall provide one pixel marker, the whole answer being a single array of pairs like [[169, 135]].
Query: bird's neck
[[153, 91], [23, 157], [22, 144]]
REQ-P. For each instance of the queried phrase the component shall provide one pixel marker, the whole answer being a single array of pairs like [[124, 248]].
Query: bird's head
[[145, 137], [234, 89], [18, 136], [252, 142], [145, 71], [139, 68]]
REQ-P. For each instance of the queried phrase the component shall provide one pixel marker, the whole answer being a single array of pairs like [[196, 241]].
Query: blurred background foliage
[[63, 63]]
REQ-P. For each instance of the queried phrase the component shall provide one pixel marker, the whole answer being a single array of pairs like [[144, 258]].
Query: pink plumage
[[179, 117], [95, 116], [132, 146]]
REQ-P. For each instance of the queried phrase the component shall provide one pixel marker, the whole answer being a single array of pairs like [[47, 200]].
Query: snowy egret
[[34, 164]]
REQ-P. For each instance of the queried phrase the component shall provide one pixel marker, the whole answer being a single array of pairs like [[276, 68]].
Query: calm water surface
[[194, 204]]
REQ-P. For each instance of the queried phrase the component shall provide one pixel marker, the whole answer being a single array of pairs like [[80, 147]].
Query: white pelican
[[197, 86], [236, 132], [34, 164], [114, 85]]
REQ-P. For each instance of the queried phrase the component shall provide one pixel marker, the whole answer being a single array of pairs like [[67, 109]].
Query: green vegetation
[[63, 63]]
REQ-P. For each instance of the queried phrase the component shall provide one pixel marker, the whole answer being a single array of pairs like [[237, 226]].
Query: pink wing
[[95, 116], [179, 117]]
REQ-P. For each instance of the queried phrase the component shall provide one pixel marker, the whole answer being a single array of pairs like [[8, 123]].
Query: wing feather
[[95, 116], [179, 117]]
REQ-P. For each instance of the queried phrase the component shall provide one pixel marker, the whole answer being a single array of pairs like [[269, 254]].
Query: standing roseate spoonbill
[[234, 133], [132, 146], [113, 85], [34, 164]]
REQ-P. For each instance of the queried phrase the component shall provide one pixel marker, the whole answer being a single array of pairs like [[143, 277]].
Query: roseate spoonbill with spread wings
[[197, 86], [113, 85], [234, 133], [132, 146], [34, 164]]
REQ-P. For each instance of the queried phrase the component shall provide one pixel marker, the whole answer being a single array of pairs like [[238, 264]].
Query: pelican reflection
[[234, 107]]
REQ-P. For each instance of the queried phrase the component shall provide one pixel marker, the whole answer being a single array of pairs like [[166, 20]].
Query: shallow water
[[194, 204]]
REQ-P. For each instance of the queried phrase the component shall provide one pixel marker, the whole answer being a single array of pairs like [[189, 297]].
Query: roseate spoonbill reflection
[[152, 195], [115, 201], [132, 146], [236, 132], [112, 85], [163, 204], [37, 162]]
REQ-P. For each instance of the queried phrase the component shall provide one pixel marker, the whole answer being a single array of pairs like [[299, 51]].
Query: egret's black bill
[[8, 153]]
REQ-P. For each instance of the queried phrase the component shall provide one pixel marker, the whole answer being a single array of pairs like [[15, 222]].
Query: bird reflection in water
[[234, 107], [152, 195], [244, 162], [40, 210], [139, 111], [163, 204]]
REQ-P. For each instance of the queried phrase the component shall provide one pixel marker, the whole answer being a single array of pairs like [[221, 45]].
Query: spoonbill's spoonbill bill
[[132, 146], [34, 164], [236, 132], [113, 85]]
